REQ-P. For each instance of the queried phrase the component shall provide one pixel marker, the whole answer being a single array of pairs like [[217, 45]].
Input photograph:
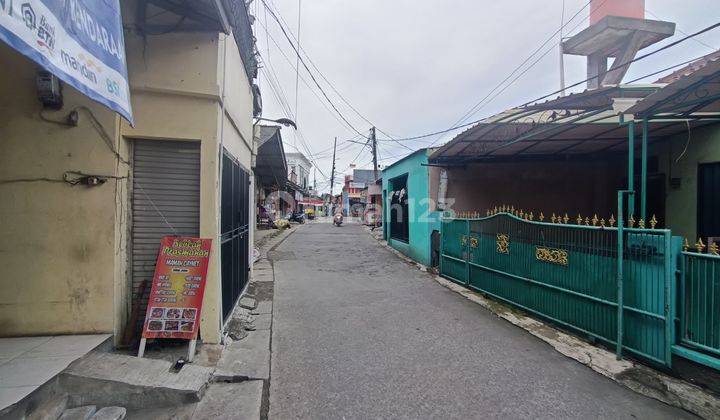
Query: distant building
[[299, 170]]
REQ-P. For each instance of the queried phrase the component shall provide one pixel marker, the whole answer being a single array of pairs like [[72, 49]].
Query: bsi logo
[[28, 15]]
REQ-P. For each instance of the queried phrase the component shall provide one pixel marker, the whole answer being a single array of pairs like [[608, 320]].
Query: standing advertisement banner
[[79, 41], [178, 287]]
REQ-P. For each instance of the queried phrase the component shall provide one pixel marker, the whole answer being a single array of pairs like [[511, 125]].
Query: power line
[[280, 97], [282, 101], [332, 86], [282, 28], [322, 102], [479, 105], [707, 29], [297, 60], [699, 41], [642, 57]]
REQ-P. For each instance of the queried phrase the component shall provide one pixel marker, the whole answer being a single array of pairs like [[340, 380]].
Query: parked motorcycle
[[296, 216], [338, 219]]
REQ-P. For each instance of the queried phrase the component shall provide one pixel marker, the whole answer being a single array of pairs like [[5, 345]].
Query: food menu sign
[[178, 287]]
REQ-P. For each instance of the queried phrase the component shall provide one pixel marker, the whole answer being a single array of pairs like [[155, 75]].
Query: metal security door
[[165, 201], [708, 200], [234, 241]]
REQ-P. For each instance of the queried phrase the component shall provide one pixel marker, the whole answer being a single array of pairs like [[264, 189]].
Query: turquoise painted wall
[[423, 220]]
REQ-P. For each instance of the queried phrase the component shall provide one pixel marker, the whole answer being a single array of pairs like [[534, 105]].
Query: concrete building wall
[[584, 187], [190, 107], [61, 247], [677, 161], [423, 218], [64, 248]]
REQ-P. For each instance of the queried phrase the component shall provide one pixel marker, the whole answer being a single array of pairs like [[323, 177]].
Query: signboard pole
[[141, 350], [191, 350]]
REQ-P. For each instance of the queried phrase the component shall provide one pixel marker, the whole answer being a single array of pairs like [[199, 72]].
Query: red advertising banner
[[178, 287]]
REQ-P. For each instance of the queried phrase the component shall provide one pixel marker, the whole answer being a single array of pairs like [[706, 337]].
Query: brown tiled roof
[[690, 68]]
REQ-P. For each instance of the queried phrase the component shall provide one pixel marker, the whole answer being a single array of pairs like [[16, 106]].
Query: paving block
[[106, 379], [110, 413], [248, 302], [248, 358], [262, 322], [79, 413], [183, 412], [266, 276], [241, 401], [263, 307]]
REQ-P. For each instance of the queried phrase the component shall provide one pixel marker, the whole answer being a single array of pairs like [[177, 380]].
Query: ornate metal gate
[[567, 273]]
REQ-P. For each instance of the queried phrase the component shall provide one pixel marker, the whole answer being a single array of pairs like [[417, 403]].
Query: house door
[[165, 201], [708, 209], [235, 232]]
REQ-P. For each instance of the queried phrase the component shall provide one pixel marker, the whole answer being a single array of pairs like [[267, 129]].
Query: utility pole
[[332, 173], [374, 151], [315, 179], [562, 53]]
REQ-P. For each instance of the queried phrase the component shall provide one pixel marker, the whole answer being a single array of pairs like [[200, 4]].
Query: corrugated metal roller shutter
[[165, 201]]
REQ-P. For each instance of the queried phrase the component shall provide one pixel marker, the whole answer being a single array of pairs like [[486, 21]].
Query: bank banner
[[80, 41], [178, 287]]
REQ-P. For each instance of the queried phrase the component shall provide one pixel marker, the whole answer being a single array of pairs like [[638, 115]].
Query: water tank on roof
[[626, 8]]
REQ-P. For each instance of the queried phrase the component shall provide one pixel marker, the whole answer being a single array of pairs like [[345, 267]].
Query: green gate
[[699, 306], [568, 274]]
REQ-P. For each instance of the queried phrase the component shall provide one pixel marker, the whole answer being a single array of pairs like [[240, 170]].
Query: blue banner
[[80, 41]]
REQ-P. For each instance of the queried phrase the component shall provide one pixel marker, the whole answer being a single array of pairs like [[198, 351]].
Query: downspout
[[219, 182]]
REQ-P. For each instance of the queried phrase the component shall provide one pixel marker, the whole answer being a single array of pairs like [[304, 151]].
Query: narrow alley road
[[358, 333]]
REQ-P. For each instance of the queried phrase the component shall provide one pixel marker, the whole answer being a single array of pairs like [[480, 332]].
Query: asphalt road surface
[[360, 334]]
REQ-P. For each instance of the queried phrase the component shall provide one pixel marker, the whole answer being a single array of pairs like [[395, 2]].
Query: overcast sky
[[416, 66]]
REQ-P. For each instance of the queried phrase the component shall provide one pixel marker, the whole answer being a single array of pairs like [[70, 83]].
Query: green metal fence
[[568, 274], [699, 308]]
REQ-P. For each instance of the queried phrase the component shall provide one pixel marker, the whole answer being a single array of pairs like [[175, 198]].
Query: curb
[[639, 378]]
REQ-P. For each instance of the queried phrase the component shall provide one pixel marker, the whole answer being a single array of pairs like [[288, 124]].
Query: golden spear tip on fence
[[512, 209], [541, 217], [700, 246], [612, 220], [686, 245], [602, 222], [653, 222], [595, 220], [641, 224], [713, 249], [631, 221], [531, 217], [579, 219], [587, 221], [566, 219], [553, 218]]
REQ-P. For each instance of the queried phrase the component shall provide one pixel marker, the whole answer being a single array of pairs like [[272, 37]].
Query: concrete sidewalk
[[359, 333]]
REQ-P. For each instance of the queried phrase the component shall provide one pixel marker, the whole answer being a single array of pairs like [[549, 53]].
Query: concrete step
[[105, 379], [241, 401], [246, 359]]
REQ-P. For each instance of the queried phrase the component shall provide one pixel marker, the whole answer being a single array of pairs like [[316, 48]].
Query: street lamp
[[287, 122]]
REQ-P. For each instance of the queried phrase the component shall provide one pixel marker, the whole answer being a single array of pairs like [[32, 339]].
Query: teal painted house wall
[[423, 218]]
